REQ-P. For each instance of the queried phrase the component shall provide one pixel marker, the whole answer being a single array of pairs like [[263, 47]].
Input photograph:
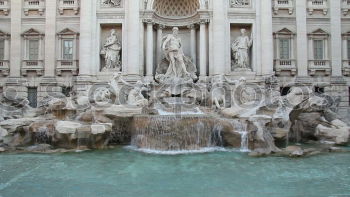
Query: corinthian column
[[193, 43], [159, 43], [203, 49], [149, 52]]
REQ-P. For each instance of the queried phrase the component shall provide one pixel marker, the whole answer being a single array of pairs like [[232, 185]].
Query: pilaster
[[336, 38], [15, 51], [267, 38], [302, 58], [85, 59], [50, 38]]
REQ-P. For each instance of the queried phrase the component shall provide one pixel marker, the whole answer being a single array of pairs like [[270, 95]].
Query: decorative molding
[[321, 5], [5, 7], [283, 5], [34, 5], [111, 3], [68, 5], [240, 3]]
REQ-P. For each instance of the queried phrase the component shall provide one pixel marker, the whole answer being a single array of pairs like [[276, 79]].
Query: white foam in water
[[165, 113], [182, 152]]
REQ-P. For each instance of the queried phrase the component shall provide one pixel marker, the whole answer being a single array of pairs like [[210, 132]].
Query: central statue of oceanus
[[175, 67]]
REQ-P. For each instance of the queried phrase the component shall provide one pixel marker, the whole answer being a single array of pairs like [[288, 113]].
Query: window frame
[[64, 49]]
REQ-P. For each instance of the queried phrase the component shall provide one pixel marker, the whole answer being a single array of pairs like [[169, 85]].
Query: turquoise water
[[124, 173]]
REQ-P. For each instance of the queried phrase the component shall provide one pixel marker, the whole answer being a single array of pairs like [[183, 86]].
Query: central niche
[[176, 8]]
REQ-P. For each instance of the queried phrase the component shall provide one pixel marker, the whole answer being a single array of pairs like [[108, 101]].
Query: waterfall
[[240, 126], [175, 133]]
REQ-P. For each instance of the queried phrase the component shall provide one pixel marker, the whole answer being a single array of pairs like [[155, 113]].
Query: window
[[348, 47], [2, 49], [318, 49], [284, 49], [33, 49], [67, 49], [33, 97]]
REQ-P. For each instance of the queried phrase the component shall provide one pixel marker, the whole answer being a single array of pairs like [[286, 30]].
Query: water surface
[[125, 173]]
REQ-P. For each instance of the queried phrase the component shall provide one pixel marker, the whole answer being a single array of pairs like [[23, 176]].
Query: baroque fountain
[[174, 112]]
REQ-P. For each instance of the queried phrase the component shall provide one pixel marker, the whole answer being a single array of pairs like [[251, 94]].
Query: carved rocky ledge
[[67, 65], [32, 66]]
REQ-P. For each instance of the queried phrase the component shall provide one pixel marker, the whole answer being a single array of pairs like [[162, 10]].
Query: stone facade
[[51, 45]]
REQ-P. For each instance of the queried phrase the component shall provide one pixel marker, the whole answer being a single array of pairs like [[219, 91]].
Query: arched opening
[[176, 8]]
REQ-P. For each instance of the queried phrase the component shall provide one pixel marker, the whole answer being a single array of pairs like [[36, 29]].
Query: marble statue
[[240, 50], [175, 65], [111, 49], [112, 3], [218, 96], [135, 97]]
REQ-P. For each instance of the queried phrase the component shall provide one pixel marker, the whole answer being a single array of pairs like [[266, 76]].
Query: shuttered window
[[68, 49], [284, 49], [318, 49], [33, 49]]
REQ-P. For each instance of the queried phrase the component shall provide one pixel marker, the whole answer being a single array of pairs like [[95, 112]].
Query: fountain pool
[[125, 173]]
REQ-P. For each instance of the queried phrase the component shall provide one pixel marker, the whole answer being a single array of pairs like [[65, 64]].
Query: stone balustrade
[[283, 5], [346, 67], [320, 5], [5, 7], [285, 65], [68, 5], [4, 67], [345, 7], [67, 65], [32, 66], [319, 66], [34, 5]]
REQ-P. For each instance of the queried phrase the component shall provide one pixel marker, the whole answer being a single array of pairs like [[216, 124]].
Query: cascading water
[[175, 133], [240, 126]]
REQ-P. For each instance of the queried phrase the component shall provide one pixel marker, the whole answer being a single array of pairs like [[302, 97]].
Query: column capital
[[148, 21], [204, 21], [192, 26], [161, 26]]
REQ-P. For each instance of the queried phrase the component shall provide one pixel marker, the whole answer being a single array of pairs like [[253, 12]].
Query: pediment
[[319, 32], [32, 32], [284, 31], [67, 31]]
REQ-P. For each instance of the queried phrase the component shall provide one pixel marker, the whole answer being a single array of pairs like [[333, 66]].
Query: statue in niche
[[176, 67], [240, 50], [112, 3], [111, 50]]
